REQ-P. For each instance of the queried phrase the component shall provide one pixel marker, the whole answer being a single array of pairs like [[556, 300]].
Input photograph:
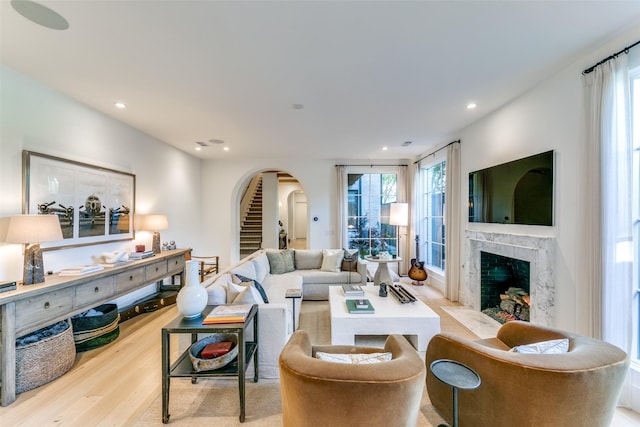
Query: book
[[352, 290], [140, 255], [77, 271], [216, 349], [230, 313], [7, 286], [354, 308]]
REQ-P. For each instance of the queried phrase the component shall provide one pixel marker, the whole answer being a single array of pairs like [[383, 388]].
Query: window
[[431, 226], [369, 199]]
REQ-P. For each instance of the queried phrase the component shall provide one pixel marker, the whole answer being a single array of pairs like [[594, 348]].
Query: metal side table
[[458, 376]]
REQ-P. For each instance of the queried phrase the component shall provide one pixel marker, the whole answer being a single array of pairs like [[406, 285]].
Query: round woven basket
[[43, 361], [90, 332], [218, 362]]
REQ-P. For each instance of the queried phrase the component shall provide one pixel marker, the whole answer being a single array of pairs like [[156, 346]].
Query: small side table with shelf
[[183, 368], [293, 294]]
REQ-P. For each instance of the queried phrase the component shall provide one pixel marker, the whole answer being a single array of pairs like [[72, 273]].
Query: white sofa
[[276, 317]]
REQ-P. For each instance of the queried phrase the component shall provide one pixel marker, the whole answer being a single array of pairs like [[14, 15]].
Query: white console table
[[31, 307]]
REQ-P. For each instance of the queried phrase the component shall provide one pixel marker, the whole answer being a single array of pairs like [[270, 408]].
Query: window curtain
[[452, 223], [608, 227], [401, 196], [341, 191]]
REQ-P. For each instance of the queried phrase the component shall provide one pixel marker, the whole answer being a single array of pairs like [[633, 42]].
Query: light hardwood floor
[[114, 385]]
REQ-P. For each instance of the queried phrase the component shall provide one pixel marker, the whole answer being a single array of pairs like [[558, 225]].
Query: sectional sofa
[[267, 274]]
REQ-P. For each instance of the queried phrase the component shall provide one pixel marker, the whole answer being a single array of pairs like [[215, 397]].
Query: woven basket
[[90, 332], [218, 362], [43, 361]]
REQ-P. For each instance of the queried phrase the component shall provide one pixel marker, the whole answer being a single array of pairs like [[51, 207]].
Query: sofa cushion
[[245, 281], [308, 259], [261, 264], [217, 293], [332, 260], [246, 269], [325, 277], [281, 262]]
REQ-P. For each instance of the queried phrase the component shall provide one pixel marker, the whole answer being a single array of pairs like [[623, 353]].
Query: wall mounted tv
[[517, 192]]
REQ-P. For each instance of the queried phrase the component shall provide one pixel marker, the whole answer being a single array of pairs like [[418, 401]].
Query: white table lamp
[[32, 230]]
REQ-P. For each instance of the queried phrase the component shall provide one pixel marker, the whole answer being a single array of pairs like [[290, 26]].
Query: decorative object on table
[[216, 349], [202, 364], [96, 327], [417, 271], [168, 246], [44, 355], [192, 298], [106, 213], [140, 248], [154, 223], [383, 290], [33, 230], [401, 294], [355, 308], [140, 255], [7, 286], [352, 290]]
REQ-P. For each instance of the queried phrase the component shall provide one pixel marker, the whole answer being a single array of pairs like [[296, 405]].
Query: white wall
[[548, 117], [35, 118]]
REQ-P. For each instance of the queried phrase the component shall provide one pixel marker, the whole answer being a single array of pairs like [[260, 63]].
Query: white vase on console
[[192, 298]]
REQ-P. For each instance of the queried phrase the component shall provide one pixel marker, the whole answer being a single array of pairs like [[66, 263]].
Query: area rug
[[215, 402]]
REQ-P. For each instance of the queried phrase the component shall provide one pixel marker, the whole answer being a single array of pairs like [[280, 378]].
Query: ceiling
[[368, 74]]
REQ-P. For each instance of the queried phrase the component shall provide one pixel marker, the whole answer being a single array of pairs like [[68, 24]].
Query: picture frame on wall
[[94, 204]]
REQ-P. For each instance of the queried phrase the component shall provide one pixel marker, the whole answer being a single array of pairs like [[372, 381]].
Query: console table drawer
[[176, 263], [129, 280], [95, 291], [157, 270], [42, 308]]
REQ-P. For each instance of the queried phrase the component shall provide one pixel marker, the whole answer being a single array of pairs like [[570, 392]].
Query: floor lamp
[[399, 216]]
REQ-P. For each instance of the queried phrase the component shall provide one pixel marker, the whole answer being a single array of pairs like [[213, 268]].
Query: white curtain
[[608, 204], [341, 191], [452, 222], [402, 192]]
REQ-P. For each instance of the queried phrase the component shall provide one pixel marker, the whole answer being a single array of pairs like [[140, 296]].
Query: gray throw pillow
[[350, 260], [280, 262]]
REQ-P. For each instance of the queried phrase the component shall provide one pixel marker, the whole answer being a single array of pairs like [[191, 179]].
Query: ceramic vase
[[192, 298]]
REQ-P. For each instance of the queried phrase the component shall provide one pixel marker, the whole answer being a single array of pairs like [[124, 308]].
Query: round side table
[[458, 376]]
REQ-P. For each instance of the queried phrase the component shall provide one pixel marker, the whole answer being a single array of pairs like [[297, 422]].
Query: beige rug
[[215, 402]]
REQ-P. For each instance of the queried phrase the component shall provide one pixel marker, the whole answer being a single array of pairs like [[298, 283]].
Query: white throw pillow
[[248, 295], [354, 358], [544, 347], [233, 291], [332, 260]]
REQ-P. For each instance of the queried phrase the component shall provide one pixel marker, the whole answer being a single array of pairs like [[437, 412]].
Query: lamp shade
[[34, 229], [152, 222], [399, 214]]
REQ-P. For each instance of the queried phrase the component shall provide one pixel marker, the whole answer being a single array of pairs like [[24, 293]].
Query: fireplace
[[504, 287], [537, 251]]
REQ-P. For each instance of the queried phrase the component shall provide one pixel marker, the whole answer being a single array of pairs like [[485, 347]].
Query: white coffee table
[[415, 320]]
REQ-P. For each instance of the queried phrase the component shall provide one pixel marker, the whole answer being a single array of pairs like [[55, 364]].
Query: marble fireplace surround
[[537, 250]]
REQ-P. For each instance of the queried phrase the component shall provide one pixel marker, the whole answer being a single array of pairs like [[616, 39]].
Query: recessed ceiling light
[[385, 148], [120, 105], [226, 148], [471, 106], [40, 14], [198, 148]]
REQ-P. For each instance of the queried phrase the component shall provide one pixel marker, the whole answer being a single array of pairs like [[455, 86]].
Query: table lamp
[[33, 230], [398, 215], [154, 223]]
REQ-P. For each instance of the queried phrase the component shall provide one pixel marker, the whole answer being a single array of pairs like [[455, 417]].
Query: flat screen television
[[517, 192]]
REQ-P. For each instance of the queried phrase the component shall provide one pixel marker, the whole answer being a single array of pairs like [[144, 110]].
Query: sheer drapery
[[608, 227], [401, 197], [341, 191], [452, 222]]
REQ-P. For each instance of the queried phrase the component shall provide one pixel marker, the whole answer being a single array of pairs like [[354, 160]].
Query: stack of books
[[227, 314], [77, 271], [352, 290], [359, 306], [140, 255]]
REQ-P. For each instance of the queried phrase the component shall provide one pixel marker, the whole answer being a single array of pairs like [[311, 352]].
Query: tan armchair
[[579, 388], [320, 393]]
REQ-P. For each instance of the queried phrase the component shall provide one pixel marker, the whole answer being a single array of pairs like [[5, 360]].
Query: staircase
[[251, 222]]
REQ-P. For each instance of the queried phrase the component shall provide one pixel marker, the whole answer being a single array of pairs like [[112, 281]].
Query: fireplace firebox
[[504, 287]]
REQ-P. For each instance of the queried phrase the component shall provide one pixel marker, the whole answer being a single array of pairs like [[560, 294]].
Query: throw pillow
[[350, 260], [248, 295], [354, 358], [232, 291], [281, 261], [544, 347], [241, 280], [331, 260]]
